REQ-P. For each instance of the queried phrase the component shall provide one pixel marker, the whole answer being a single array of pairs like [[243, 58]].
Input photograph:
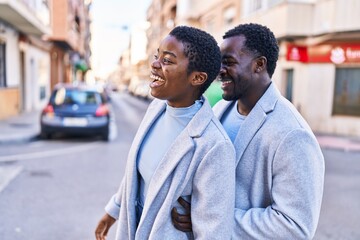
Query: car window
[[74, 96]]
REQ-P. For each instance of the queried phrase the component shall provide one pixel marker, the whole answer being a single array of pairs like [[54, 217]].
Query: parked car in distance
[[140, 88], [76, 109]]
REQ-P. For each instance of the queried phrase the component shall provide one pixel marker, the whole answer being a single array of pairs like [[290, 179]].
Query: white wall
[[317, 93], [10, 36], [37, 74], [313, 92]]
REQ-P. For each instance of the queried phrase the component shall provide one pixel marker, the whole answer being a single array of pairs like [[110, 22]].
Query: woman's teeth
[[157, 78]]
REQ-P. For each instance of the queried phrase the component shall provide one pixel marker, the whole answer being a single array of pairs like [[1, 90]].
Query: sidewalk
[[346, 144], [22, 128], [26, 127]]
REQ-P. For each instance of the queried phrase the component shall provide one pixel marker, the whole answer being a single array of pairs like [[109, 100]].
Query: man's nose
[[222, 69]]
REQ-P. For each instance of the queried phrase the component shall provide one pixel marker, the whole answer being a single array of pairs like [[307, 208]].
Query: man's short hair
[[259, 39]]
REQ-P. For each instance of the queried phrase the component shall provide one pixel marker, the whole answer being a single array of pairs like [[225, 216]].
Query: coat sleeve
[[113, 206], [296, 192], [213, 197]]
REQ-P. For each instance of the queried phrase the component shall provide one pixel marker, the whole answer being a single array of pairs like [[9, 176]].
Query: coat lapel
[[151, 115], [168, 163], [247, 131], [255, 120], [154, 110], [182, 146], [221, 107]]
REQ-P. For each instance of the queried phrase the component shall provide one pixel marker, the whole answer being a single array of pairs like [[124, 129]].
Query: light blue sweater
[[232, 121], [158, 140]]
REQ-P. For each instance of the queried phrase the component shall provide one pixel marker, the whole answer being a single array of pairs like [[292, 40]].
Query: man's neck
[[247, 102]]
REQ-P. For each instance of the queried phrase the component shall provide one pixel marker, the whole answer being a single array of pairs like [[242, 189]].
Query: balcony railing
[[28, 16]]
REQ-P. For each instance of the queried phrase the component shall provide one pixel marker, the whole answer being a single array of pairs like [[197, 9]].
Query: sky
[[111, 24]]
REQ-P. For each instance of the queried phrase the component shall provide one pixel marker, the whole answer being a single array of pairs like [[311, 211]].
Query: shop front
[[324, 82]]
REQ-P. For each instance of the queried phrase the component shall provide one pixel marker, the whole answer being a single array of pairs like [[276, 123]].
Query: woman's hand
[[103, 227]]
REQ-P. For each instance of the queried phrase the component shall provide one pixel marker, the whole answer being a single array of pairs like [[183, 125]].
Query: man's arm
[[213, 191], [296, 193]]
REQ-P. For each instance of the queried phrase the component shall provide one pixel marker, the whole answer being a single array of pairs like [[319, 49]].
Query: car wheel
[[105, 137], [45, 135]]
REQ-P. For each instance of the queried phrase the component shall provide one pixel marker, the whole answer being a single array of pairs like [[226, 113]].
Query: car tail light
[[48, 110], [102, 110]]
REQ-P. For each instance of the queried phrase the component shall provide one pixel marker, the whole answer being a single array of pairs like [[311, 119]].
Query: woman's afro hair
[[202, 51]]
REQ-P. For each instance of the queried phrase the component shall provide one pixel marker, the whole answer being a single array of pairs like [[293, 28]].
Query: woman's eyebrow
[[170, 53]]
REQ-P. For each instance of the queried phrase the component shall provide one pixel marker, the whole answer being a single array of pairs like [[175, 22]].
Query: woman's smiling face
[[170, 78]]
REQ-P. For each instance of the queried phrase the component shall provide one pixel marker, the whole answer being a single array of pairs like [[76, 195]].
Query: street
[[57, 189], [339, 217]]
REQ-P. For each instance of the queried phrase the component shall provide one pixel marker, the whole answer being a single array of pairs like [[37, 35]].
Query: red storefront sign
[[325, 53], [297, 53]]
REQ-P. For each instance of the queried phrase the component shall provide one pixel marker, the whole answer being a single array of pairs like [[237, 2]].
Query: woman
[[180, 150]]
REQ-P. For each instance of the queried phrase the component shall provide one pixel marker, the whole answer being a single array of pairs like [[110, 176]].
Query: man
[[279, 164]]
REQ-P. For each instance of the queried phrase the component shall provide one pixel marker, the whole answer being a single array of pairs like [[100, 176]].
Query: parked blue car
[[76, 109]]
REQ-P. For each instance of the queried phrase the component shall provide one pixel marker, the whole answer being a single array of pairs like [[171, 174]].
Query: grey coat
[[200, 163], [279, 172]]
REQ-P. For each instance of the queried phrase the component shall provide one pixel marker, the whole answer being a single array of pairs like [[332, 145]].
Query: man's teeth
[[226, 82], [157, 78]]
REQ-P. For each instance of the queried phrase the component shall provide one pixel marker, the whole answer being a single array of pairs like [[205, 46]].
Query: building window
[[255, 5], [2, 65], [251, 7], [229, 17], [289, 84], [210, 25], [274, 2], [347, 92], [77, 23], [171, 21]]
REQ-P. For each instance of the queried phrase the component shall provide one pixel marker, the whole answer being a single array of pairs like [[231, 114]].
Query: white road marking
[[113, 128], [7, 174], [50, 153]]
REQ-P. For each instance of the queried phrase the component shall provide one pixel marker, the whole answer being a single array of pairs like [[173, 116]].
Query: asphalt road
[[57, 189], [339, 217]]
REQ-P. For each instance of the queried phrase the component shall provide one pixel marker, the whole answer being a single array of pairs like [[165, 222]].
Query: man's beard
[[231, 97]]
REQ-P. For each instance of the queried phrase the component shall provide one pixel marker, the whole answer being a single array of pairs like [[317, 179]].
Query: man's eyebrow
[[227, 56]]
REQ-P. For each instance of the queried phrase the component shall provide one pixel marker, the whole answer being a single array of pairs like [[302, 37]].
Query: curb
[[339, 143], [19, 139]]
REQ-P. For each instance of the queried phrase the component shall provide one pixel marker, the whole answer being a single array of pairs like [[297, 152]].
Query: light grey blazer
[[200, 163], [279, 172]]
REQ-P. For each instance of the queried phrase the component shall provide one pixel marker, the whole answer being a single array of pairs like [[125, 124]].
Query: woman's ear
[[199, 78]]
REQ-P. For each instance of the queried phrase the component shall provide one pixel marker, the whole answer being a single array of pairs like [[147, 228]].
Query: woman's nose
[[155, 64]]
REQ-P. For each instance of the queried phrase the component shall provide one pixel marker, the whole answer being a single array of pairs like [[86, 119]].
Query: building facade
[[319, 64], [70, 53], [161, 15], [24, 58], [42, 42]]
